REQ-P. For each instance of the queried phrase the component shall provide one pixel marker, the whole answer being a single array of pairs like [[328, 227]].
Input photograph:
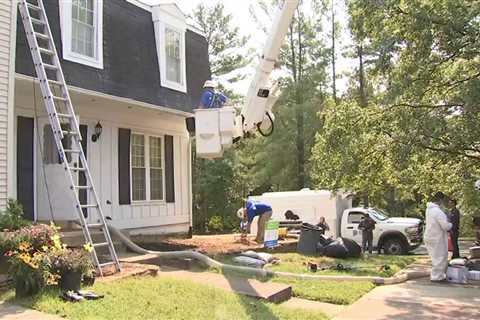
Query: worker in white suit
[[436, 236]]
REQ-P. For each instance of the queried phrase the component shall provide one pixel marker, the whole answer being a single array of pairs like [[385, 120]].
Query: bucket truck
[[217, 129]]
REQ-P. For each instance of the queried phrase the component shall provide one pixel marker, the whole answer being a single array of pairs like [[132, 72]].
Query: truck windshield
[[378, 214]]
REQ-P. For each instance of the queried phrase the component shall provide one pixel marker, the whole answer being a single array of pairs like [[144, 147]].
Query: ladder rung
[[63, 115], [72, 151], [106, 264], [100, 244], [38, 22], [42, 36], [95, 225], [55, 82], [46, 51], [34, 7], [69, 133], [82, 187], [50, 66], [77, 169], [86, 206], [61, 99]]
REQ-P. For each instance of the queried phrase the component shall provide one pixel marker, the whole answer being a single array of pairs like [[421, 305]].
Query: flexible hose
[[263, 273], [259, 126]]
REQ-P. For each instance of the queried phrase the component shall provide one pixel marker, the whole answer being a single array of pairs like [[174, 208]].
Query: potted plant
[[25, 251], [27, 270], [70, 265]]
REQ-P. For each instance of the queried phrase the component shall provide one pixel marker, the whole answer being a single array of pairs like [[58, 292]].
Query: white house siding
[[7, 35], [103, 157]]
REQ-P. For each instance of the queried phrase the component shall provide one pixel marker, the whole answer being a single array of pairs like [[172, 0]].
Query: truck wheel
[[394, 246]]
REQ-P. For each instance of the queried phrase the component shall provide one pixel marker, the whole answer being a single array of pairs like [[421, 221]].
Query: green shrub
[[215, 224], [12, 218]]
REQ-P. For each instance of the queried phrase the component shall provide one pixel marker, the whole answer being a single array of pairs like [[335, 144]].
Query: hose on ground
[[262, 273]]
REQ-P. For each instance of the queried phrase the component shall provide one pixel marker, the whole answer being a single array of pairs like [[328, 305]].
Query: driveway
[[417, 300]]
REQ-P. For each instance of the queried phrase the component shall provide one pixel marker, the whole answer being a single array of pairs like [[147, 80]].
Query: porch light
[[98, 132]]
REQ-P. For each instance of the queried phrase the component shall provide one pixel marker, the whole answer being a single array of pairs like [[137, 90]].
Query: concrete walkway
[[417, 300], [14, 312]]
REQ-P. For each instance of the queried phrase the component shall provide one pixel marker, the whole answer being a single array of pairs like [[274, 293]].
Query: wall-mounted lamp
[[98, 132]]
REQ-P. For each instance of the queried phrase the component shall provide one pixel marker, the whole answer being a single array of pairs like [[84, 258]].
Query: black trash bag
[[320, 248], [336, 249], [354, 250], [324, 240], [310, 226]]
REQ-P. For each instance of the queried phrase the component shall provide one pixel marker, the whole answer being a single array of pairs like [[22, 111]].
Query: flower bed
[[38, 258]]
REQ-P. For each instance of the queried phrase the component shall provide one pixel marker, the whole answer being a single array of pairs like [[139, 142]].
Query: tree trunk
[[300, 139], [361, 78], [334, 72]]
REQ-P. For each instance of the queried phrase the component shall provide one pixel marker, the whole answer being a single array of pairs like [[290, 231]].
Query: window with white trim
[[173, 55], [147, 163], [82, 31]]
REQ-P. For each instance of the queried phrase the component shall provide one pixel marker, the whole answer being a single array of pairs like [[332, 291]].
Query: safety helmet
[[210, 84], [240, 213]]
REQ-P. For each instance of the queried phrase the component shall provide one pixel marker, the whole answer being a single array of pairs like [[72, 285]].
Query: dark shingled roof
[[131, 67]]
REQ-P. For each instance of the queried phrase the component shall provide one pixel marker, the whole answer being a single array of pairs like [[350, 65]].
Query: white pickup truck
[[391, 235]]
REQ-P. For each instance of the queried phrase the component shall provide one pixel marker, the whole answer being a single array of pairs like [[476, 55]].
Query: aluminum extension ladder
[[64, 124]]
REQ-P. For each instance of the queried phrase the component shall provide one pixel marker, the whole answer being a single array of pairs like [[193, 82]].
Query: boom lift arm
[[216, 129]]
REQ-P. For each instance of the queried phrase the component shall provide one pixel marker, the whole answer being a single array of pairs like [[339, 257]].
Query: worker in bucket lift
[[211, 98], [253, 209]]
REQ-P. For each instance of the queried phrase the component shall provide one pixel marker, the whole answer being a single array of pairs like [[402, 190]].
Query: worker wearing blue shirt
[[253, 209], [210, 97]]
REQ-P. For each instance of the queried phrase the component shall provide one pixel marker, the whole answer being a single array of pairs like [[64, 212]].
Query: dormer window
[[170, 27], [173, 48], [82, 35]]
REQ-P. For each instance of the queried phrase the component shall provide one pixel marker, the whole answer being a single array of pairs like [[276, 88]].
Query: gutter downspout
[[11, 123]]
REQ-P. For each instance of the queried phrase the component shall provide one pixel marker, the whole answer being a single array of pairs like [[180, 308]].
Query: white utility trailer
[[309, 205]]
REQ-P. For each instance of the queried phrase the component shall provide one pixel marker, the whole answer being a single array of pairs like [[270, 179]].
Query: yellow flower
[[54, 226], [25, 258], [24, 246], [88, 247], [45, 248]]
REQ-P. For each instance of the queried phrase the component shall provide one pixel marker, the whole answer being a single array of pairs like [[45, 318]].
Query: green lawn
[[159, 298], [365, 266], [336, 292]]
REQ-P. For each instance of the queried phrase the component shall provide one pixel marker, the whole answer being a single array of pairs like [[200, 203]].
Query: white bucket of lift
[[227, 122], [207, 133]]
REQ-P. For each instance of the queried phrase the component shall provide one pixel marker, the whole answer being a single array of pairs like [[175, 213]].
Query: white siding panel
[[6, 39]]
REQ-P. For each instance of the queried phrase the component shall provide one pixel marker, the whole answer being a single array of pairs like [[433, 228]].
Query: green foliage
[[137, 298], [224, 43], [419, 130], [13, 218]]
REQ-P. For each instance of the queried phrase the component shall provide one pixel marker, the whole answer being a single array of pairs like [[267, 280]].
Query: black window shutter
[[82, 178], [124, 166], [169, 170], [25, 162]]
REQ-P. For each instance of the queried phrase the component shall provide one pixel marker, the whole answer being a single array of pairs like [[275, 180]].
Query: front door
[[55, 200]]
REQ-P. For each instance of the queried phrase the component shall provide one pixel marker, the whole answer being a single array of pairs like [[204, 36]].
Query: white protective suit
[[436, 240]]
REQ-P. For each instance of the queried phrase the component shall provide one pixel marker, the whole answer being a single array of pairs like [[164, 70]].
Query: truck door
[[350, 230]]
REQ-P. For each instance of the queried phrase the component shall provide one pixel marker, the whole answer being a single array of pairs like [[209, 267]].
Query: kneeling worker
[[252, 209]]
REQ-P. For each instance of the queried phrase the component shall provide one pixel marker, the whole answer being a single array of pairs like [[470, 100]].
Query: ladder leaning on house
[[64, 123]]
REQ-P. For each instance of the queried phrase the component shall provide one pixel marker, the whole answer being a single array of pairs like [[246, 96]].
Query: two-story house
[[134, 74]]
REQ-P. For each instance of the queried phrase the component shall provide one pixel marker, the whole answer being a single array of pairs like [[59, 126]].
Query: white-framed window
[[82, 31], [147, 168], [170, 28], [173, 55]]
